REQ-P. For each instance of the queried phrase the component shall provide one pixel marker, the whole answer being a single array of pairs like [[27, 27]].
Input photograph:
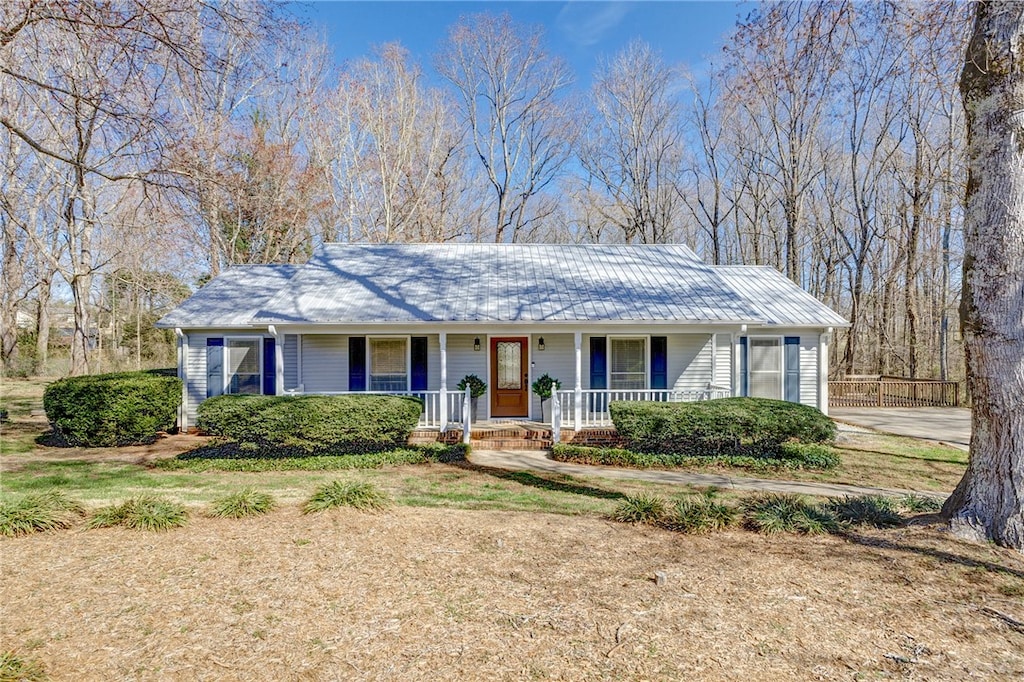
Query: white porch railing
[[593, 403]]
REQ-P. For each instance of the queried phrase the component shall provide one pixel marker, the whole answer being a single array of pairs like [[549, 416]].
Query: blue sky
[[580, 32]]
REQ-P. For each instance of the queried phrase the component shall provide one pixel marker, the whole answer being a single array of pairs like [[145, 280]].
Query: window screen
[[388, 365], [628, 366]]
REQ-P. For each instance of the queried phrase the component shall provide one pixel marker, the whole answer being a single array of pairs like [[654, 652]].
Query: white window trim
[[408, 358], [782, 361], [224, 361], [647, 360]]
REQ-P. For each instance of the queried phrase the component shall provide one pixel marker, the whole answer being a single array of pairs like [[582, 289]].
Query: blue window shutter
[[269, 367], [598, 362], [418, 360], [659, 362], [357, 363], [214, 366], [744, 378], [792, 359]]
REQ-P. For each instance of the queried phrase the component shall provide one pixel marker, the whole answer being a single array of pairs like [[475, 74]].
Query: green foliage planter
[[304, 425], [790, 456], [755, 427], [105, 410]]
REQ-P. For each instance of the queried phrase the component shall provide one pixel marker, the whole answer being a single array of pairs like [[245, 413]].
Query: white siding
[[809, 370], [196, 374], [434, 362], [463, 360], [723, 360], [324, 362], [291, 361], [558, 360], [689, 361]]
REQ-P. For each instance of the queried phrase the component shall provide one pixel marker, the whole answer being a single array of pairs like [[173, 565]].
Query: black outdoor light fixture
[[476, 343], [540, 343]]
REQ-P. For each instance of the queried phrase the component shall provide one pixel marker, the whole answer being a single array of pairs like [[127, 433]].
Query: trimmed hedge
[[277, 426], [791, 456], [754, 427], [105, 410]]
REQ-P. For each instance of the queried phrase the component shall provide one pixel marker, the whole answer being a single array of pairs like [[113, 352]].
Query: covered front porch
[[592, 369]]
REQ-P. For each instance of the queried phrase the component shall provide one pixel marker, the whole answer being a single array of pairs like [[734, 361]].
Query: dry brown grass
[[450, 594]]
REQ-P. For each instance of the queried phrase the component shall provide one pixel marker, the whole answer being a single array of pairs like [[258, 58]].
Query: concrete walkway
[[950, 425], [538, 460]]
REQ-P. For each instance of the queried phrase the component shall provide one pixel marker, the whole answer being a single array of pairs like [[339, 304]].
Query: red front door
[[510, 391]]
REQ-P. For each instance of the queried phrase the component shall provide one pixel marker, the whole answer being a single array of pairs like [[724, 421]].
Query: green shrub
[[728, 426], [640, 508], [103, 410], [772, 513], [703, 514], [791, 456], [37, 513], [276, 426], [365, 496], [14, 668], [145, 512], [246, 502], [866, 510]]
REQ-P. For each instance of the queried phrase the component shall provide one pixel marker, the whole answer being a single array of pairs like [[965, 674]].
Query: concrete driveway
[[951, 425]]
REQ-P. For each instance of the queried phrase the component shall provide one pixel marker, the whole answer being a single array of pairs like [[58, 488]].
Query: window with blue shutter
[[418, 359], [659, 362], [269, 367], [744, 378], [357, 363], [792, 359], [214, 367]]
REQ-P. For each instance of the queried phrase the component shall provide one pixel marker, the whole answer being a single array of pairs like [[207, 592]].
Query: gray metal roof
[[777, 299], [353, 283], [403, 283], [230, 299]]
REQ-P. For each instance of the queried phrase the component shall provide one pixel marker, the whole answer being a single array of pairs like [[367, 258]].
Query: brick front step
[[514, 437]]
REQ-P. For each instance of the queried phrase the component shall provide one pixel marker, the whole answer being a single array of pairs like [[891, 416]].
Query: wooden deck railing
[[893, 392]]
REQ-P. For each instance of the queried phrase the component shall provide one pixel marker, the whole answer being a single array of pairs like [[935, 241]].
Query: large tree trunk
[[988, 504]]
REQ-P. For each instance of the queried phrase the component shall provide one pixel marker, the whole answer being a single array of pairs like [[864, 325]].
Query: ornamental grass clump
[[38, 513], [246, 502], [699, 515], [363, 496], [772, 513], [915, 503], [145, 512], [865, 510], [640, 508]]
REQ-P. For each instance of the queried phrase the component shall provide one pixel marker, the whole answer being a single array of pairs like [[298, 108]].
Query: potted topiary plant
[[477, 388], [544, 387]]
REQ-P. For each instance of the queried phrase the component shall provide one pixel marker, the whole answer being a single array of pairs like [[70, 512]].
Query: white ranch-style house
[[609, 322]]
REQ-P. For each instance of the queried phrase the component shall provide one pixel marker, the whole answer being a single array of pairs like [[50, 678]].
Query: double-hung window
[[242, 366], [627, 369], [389, 364], [765, 367]]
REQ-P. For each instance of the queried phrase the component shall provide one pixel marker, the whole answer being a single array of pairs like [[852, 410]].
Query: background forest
[[147, 146]]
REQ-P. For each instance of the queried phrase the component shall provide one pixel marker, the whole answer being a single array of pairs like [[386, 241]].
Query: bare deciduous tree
[[509, 88]]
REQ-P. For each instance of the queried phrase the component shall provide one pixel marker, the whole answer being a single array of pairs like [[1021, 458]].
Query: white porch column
[[278, 360], [577, 403], [442, 338], [823, 372], [183, 375], [714, 361]]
